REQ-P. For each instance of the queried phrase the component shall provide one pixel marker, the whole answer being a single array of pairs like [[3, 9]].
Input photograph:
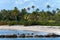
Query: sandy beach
[[49, 29]]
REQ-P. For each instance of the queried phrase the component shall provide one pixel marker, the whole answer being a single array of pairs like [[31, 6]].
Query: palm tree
[[28, 9], [57, 9], [23, 11], [33, 7], [48, 6], [14, 14], [53, 11], [4, 14], [37, 9]]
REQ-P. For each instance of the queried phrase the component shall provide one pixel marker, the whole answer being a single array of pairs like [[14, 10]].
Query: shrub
[[12, 23], [26, 23], [3, 23]]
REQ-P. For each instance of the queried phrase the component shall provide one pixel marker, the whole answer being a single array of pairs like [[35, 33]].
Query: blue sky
[[41, 4]]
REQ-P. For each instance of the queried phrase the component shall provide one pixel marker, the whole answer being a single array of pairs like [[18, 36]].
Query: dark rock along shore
[[29, 36]]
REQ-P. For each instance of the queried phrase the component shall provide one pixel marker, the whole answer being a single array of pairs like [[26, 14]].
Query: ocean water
[[22, 31], [29, 38]]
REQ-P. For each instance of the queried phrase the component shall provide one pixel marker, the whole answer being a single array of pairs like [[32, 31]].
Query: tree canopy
[[23, 17]]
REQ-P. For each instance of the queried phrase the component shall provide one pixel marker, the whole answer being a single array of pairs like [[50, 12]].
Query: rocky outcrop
[[29, 36]]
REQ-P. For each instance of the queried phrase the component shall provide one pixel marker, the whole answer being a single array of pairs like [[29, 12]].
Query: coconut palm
[[37, 9], [48, 6], [57, 9], [33, 7], [53, 11], [28, 8]]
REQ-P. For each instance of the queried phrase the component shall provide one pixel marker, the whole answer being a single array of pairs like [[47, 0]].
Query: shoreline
[[48, 29], [30, 36]]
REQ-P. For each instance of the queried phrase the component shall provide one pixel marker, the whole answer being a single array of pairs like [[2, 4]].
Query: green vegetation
[[24, 17]]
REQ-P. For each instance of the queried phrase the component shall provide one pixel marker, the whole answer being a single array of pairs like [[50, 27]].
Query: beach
[[48, 29]]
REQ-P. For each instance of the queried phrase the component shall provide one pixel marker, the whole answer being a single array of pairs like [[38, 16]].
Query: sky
[[41, 4]]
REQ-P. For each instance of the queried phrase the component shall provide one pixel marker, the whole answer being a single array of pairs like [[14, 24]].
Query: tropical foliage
[[24, 17]]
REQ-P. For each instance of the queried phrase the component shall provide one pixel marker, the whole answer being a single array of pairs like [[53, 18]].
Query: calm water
[[20, 32], [29, 38]]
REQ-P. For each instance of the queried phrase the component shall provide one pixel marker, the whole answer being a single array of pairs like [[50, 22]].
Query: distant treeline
[[25, 17]]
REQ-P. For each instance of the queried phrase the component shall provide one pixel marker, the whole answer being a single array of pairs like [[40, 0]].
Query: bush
[[3, 23], [12, 23], [26, 23], [21, 22]]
